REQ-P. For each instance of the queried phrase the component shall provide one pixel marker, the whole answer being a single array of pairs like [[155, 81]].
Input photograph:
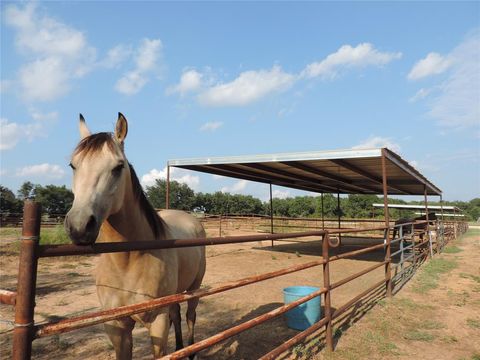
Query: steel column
[[388, 270], [27, 278], [339, 218], [426, 218], [323, 219], [326, 285], [271, 211], [167, 189]]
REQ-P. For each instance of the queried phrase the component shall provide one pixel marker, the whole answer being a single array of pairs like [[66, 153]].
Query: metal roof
[[418, 207], [352, 171], [444, 214]]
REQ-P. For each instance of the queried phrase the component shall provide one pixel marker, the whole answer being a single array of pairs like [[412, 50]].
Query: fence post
[[413, 248], [27, 278], [326, 285], [401, 249]]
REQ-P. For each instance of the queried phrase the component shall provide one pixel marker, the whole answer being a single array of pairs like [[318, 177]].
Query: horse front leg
[[159, 333], [120, 334]]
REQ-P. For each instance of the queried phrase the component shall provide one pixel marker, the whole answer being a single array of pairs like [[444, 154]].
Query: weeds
[[452, 250], [473, 323], [56, 235], [417, 335], [471, 277], [428, 278]]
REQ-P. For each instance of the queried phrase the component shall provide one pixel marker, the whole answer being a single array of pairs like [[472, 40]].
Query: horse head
[[100, 172]]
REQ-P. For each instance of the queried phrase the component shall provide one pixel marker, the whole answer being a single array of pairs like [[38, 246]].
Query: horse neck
[[128, 224]]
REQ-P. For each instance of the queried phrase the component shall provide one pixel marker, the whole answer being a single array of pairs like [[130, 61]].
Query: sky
[[198, 79]]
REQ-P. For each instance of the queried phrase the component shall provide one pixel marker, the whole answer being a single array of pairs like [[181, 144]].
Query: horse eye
[[117, 169], [71, 165]]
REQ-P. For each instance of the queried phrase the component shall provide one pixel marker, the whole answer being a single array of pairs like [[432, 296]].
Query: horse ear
[[84, 132], [121, 128]]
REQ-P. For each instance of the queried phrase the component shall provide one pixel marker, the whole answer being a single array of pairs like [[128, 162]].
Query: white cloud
[[432, 64], [378, 142], [457, 102], [345, 57], [180, 175], [420, 94], [211, 126], [42, 170], [279, 194], [146, 59], [191, 80], [57, 53], [11, 133], [39, 116], [236, 188], [116, 56], [247, 88]]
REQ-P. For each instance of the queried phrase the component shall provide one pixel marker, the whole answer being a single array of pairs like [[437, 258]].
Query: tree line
[[57, 200]]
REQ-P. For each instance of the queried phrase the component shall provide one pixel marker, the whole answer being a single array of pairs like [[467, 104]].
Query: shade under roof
[[418, 207], [353, 171]]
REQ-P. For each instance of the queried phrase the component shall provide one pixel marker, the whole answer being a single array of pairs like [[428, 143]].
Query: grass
[[452, 250], [427, 278], [473, 323], [10, 232], [54, 236], [471, 277], [418, 335]]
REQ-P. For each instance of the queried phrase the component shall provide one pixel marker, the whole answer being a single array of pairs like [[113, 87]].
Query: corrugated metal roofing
[[353, 171]]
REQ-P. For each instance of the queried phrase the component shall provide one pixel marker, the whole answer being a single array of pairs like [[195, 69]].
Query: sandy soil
[[65, 287]]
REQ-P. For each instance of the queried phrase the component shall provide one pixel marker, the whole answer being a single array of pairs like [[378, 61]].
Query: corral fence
[[415, 245]]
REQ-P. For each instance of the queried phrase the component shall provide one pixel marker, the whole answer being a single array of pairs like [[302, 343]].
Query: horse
[[110, 206], [408, 229]]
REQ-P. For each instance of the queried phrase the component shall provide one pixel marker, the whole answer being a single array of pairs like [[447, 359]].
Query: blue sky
[[214, 79]]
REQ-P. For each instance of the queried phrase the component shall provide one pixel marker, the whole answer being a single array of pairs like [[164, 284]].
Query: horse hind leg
[[159, 333], [175, 317], [120, 334]]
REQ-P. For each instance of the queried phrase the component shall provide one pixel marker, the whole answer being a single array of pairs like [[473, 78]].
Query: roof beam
[[293, 177], [349, 183], [232, 171], [357, 170]]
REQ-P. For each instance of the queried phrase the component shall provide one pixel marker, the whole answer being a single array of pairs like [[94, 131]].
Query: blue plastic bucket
[[306, 314]]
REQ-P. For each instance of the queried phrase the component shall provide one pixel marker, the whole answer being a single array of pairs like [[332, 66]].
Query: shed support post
[[323, 219], [326, 285], [442, 225], [26, 282], [339, 219], [426, 218], [271, 211], [167, 189], [388, 267]]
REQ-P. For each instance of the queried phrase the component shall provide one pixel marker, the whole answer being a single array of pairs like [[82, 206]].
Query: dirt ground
[[65, 287]]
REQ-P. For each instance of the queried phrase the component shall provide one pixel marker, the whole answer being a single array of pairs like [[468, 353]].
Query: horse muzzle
[[82, 230]]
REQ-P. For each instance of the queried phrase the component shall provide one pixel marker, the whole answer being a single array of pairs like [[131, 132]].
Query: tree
[[181, 196], [55, 200], [8, 202], [26, 191]]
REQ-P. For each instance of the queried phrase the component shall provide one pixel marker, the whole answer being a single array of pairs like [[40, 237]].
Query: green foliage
[[55, 200], [225, 203], [181, 196], [8, 203]]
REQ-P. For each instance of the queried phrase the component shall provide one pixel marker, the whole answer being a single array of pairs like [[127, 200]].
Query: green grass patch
[[417, 335], [10, 232], [473, 323], [470, 276], [430, 274], [452, 250], [54, 236]]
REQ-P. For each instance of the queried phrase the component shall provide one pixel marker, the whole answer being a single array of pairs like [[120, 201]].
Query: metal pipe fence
[[413, 248]]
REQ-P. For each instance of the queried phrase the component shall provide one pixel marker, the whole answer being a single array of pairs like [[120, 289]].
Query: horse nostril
[[91, 225]]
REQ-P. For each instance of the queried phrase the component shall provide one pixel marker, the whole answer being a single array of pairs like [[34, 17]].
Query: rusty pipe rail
[[110, 247], [107, 315], [203, 344], [7, 297]]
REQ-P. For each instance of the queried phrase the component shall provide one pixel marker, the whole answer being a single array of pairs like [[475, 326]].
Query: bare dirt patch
[[66, 287]]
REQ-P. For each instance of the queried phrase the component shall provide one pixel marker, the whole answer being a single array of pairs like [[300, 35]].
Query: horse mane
[[93, 144]]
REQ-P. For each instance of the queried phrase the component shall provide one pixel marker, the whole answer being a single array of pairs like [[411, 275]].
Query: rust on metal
[[274, 354], [112, 314], [27, 277], [64, 250], [388, 268], [203, 344], [357, 275], [7, 297]]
